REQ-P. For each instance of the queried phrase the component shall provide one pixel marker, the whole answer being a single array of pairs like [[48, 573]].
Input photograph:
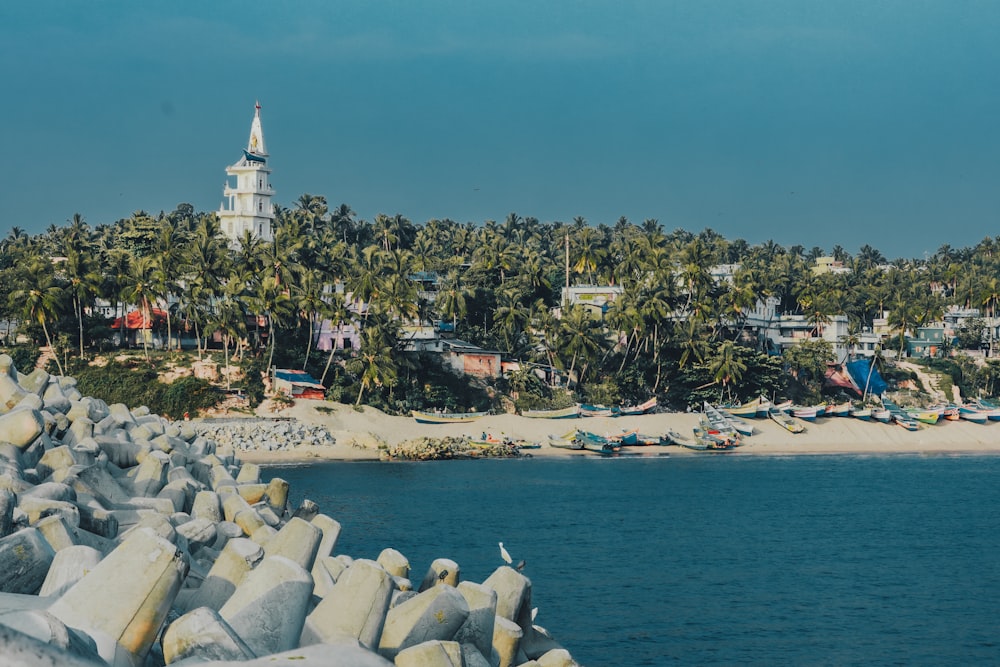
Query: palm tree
[[726, 367], [84, 282], [140, 290], [374, 364], [41, 304], [582, 338], [273, 300], [511, 316]]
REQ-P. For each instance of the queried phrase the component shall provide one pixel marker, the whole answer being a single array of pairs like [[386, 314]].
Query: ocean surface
[[706, 560]]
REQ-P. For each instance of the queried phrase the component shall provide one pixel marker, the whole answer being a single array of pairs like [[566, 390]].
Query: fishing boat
[[748, 410], [640, 409], [839, 409], [629, 437], [808, 414], [950, 412], [725, 422], [446, 417], [972, 413], [587, 410], [571, 412], [900, 417], [710, 439], [786, 421], [597, 443], [563, 442], [525, 444], [881, 415], [784, 406], [992, 411], [925, 416], [864, 414]]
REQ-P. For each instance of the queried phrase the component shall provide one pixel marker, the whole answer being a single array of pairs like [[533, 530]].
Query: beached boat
[[559, 413], [726, 422], [784, 406], [640, 409], [864, 414], [808, 414], [629, 437], [748, 410], [950, 412], [446, 417], [597, 443], [563, 442], [881, 415], [710, 439], [587, 410], [991, 411], [925, 416], [972, 413], [839, 409], [786, 421], [900, 416]]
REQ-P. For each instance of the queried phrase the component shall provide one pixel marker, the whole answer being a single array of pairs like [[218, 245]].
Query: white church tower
[[248, 205]]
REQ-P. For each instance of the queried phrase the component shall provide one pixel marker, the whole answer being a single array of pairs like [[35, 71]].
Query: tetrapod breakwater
[[130, 540]]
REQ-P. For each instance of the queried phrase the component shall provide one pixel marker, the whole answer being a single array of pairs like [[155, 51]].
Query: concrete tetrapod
[[239, 557], [25, 558], [204, 635], [355, 607], [298, 541], [434, 614], [512, 589], [21, 650], [268, 608], [478, 627], [435, 653], [124, 613], [68, 567]]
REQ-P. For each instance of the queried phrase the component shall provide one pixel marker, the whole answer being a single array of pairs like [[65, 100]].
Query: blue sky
[[804, 121]]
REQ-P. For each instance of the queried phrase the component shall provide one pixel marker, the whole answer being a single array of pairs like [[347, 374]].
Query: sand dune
[[359, 432]]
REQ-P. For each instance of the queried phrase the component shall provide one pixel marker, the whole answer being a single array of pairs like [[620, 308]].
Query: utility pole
[[566, 291]]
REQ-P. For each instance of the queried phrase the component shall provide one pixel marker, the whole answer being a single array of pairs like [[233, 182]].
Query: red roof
[[136, 320]]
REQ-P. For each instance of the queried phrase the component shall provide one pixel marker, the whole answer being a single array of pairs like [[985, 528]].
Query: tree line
[[675, 330]]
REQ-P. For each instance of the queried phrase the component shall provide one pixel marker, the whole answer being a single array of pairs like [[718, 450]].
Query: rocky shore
[[129, 540]]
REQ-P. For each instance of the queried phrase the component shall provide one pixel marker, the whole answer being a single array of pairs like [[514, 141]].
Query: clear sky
[[804, 121]]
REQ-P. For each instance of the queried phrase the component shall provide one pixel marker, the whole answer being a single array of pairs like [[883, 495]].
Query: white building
[[248, 207]]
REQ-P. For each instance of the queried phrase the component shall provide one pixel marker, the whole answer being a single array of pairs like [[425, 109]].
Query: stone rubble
[[130, 541]]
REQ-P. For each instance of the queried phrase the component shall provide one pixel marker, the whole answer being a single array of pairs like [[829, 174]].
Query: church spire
[[255, 145]]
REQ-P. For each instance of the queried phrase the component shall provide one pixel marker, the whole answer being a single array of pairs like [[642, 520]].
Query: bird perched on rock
[[506, 556], [520, 565]]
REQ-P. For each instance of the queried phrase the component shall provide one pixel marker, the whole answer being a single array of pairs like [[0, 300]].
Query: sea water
[[710, 559]]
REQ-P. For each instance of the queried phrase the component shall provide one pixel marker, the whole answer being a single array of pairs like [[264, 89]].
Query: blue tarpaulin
[[859, 371]]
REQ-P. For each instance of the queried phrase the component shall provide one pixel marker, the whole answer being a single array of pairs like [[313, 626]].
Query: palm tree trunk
[[48, 340], [329, 360], [309, 344], [79, 319], [270, 335]]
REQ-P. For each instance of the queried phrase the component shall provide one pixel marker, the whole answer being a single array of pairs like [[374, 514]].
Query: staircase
[[931, 381]]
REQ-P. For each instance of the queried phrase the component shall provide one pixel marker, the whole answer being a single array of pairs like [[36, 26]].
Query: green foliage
[[807, 363], [971, 335], [138, 384], [602, 393], [695, 383], [253, 387], [25, 357]]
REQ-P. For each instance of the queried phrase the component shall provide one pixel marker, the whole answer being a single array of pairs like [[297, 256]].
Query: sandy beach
[[360, 432]]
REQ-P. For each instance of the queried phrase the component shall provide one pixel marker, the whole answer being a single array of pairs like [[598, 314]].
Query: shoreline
[[360, 432]]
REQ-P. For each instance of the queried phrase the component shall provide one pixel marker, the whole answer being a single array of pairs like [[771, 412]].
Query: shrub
[[25, 357]]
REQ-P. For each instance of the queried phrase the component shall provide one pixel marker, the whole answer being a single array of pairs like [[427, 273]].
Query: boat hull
[[571, 412], [446, 417]]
